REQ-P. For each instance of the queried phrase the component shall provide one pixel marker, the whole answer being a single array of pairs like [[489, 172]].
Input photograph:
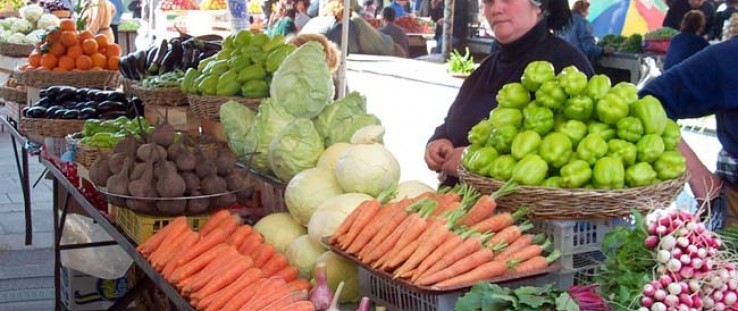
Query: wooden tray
[[434, 290]]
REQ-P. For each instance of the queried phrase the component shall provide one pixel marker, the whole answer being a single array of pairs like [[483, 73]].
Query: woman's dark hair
[[388, 14], [555, 12], [290, 12], [693, 22], [580, 7]]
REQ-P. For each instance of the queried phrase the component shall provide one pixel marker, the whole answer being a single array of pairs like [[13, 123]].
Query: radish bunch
[[693, 274]]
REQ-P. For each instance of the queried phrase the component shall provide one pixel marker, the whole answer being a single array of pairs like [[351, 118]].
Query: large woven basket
[[100, 79], [11, 94], [556, 203], [86, 155], [16, 50], [208, 107], [30, 126], [165, 96], [51, 127], [14, 109]]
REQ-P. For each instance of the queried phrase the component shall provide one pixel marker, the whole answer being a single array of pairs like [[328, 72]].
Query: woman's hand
[[436, 153], [453, 160]]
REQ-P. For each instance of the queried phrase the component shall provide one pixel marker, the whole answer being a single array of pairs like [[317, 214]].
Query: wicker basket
[[86, 155], [11, 94], [165, 96], [51, 127], [555, 203], [208, 107], [14, 109], [101, 79], [16, 50], [30, 126]]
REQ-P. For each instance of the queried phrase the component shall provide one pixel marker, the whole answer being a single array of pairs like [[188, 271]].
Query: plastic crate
[[140, 227], [576, 237], [583, 272]]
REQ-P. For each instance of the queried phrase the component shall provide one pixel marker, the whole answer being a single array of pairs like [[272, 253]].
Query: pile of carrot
[[225, 266], [448, 239]]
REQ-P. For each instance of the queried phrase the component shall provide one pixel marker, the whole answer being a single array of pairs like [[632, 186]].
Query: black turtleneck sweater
[[476, 98]]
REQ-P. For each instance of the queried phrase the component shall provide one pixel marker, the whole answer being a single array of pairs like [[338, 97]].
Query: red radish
[[649, 290], [697, 302], [660, 295], [647, 302], [730, 298], [652, 228], [652, 242], [674, 265], [686, 300], [674, 289], [671, 300], [661, 230], [665, 280], [685, 259], [683, 241], [663, 256], [321, 295], [658, 306], [687, 273], [676, 253]]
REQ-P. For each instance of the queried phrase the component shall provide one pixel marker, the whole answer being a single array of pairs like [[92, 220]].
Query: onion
[[321, 295]]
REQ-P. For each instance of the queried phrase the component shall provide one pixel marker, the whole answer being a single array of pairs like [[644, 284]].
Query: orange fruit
[[113, 62], [57, 49], [83, 62], [89, 46], [102, 40], [68, 25], [68, 38], [49, 61], [66, 63], [34, 60], [53, 36], [99, 60], [59, 69], [74, 51], [84, 35], [112, 50]]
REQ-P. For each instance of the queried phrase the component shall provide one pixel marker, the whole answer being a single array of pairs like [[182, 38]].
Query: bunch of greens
[[169, 79], [492, 297], [628, 266], [106, 134], [632, 44], [458, 64], [730, 238]]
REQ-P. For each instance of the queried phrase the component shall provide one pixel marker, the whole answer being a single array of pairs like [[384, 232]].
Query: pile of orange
[[66, 49]]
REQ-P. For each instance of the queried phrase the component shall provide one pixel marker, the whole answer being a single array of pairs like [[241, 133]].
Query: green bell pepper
[[480, 161], [502, 167], [579, 108], [479, 133], [204, 63], [623, 150], [539, 119], [209, 85], [611, 108], [252, 72], [536, 73], [552, 182], [630, 129], [602, 129], [258, 40], [572, 80], [238, 63], [670, 165], [502, 138], [650, 147], [89, 127], [555, 149], [273, 43], [598, 86], [188, 82], [575, 174], [250, 51], [626, 91], [277, 56], [217, 68], [506, 116], [196, 84], [228, 85], [608, 173], [591, 148], [574, 129], [243, 38], [551, 95], [650, 111], [224, 54], [229, 42], [255, 89], [530, 171], [639, 175], [525, 143], [672, 134], [513, 95]]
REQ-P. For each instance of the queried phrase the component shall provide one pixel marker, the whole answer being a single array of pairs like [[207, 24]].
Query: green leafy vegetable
[[301, 85], [492, 297], [458, 64]]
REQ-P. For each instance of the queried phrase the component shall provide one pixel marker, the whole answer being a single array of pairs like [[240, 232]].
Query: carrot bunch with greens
[[226, 266]]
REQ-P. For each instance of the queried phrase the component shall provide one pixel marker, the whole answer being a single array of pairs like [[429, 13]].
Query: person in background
[[285, 25], [578, 32], [369, 10], [314, 9], [523, 30], [460, 27], [277, 14], [119, 9], [398, 34], [677, 9], [399, 6], [731, 6], [301, 15], [135, 8], [99, 17], [702, 85], [708, 9], [689, 41]]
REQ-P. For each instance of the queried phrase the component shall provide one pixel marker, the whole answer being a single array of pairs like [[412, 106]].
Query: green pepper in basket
[[573, 81], [209, 85], [273, 43], [238, 63], [502, 167], [250, 51], [551, 95], [188, 83], [574, 129], [513, 95], [579, 108], [224, 54], [670, 165], [649, 110], [591, 148], [602, 129], [630, 129], [611, 108], [575, 174], [506, 116], [623, 150], [552, 182], [217, 67], [204, 64], [243, 38], [525, 143], [608, 173], [539, 119], [252, 72], [626, 91], [530, 171], [597, 87], [480, 132], [478, 161], [276, 57], [650, 147], [228, 85], [90, 127], [639, 175], [672, 134], [555, 149], [259, 40], [536, 73], [255, 89], [501, 138]]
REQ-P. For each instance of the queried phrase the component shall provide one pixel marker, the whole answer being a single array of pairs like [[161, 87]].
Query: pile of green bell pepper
[[106, 134]]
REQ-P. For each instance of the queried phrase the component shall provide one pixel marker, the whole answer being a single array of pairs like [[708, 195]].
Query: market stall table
[[21, 163]]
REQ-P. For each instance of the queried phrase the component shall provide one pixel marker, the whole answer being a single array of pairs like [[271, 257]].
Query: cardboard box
[[80, 291]]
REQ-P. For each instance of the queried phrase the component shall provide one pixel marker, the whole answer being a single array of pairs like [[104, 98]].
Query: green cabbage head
[[338, 122], [270, 120], [296, 148], [367, 168], [303, 84], [337, 270], [237, 121], [329, 158], [307, 190]]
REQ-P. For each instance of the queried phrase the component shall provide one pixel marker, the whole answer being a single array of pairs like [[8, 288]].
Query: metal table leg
[[22, 165]]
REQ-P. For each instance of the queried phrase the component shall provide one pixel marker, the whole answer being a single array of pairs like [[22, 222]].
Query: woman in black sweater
[[523, 30]]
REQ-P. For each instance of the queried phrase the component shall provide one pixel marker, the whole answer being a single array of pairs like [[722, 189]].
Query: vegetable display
[[29, 28], [169, 5], [567, 131], [415, 25], [66, 102], [631, 44], [213, 5], [458, 64], [168, 56], [106, 134], [226, 266], [492, 297], [661, 34]]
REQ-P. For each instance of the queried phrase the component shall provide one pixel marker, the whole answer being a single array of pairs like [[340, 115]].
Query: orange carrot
[[413, 231], [386, 245], [299, 306], [519, 244], [485, 206], [276, 263], [380, 219], [184, 283], [437, 235], [237, 238], [528, 252], [160, 258], [175, 234], [445, 208], [211, 270], [288, 274], [485, 271], [269, 288], [534, 264], [499, 221], [207, 301], [241, 288], [242, 297], [251, 243], [402, 256], [172, 262], [468, 247], [262, 254], [444, 249], [146, 248], [395, 217], [238, 269], [216, 236], [465, 264], [369, 209], [344, 227], [510, 234], [229, 225], [292, 297], [268, 298], [214, 220], [198, 263], [300, 284]]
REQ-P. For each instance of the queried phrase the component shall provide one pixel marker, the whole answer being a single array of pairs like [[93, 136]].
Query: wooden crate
[[181, 118]]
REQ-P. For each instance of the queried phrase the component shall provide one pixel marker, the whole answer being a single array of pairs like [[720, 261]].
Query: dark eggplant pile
[[66, 102], [179, 53]]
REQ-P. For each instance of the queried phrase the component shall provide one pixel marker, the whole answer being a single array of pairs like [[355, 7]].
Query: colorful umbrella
[[625, 17]]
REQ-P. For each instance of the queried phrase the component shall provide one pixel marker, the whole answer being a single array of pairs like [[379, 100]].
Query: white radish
[[671, 300], [730, 298], [659, 295], [663, 256], [674, 289], [668, 242], [658, 306], [719, 306], [674, 265], [685, 259]]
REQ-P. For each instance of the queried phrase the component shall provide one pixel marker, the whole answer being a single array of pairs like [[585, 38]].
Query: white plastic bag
[[105, 262]]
